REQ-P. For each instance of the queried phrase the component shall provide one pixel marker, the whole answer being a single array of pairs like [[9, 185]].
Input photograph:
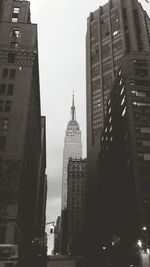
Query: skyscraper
[[72, 148], [124, 164], [118, 27], [22, 130]]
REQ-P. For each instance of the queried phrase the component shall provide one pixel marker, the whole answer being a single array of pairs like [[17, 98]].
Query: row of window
[[8, 73], [144, 130], [141, 72], [140, 93], [141, 104], [144, 156], [140, 62], [141, 83], [144, 143]]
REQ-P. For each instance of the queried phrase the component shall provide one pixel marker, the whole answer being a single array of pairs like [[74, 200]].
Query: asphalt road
[[62, 261]]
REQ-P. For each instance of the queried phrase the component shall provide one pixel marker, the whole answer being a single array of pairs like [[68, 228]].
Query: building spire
[[73, 110]]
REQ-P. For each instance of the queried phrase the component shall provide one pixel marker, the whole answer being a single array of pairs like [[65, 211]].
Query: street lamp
[[139, 243]]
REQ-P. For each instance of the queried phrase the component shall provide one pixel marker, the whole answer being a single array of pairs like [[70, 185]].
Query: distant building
[[76, 202], [57, 244], [116, 28], [1, 7], [124, 162], [42, 194], [72, 148], [22, 130]]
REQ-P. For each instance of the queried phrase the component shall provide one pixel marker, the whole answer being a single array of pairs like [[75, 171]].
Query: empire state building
[[72, 148]]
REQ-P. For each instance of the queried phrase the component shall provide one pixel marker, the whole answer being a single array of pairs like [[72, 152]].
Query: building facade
[[22, 142], [72, 148], [76, 203], [118, 27], [57, 245], [124, 163]]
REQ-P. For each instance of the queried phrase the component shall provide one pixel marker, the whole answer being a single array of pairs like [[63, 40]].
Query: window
[[15, 33], [124, 112], [14, 38], [141, 72], [1, 105], [8, 106], [123, 100], [146, 143], [111, 138], [120, 82], [15, 20], [109, 111], [115, 33], [2, 142], [139, 62], [12, 74], [132, 82], [14, 45], [145, 130], [146, 156], [138, 93], [2, 88], [5, 73], [141, 82], [5, 124], [119, 72], [10, 89], [122, 89], [11, 57]]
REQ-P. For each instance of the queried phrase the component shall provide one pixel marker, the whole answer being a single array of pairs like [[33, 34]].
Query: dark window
[[145, 185], [5, 73], [144, 170], [14, 45], [5, 124], [140, 62], [2, 88], [2, 142], [11, 57], [1, 105], [15, 15], [10, 89], [141, 72], [140, 82], [8, 106], [12, 74]]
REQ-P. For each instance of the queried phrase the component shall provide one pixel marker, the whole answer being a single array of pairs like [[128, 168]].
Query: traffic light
[[51, 230]]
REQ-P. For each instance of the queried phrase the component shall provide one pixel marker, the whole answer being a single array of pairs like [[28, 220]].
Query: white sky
[[61, 37]]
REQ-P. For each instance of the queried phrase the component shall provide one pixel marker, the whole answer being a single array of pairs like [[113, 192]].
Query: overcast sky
[[61, 38]]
